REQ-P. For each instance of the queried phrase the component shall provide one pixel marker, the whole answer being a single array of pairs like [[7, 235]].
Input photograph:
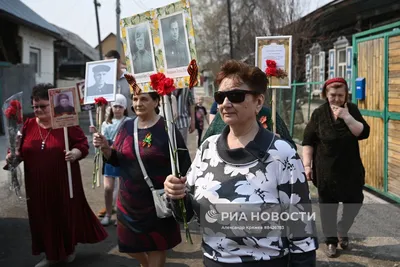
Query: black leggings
[[329, 214], [199, 133]]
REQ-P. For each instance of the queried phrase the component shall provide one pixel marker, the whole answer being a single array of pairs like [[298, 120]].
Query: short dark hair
[[41, 91], [113, 54], [252, 76]]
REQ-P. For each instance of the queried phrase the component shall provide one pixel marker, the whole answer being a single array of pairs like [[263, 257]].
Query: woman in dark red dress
[[58, 223], [141, 234]]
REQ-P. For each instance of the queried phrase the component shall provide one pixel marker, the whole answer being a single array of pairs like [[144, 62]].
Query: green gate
[[376, 56]]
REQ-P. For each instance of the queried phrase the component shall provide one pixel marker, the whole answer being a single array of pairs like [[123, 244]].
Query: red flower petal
[[271, 63], [100, 101]]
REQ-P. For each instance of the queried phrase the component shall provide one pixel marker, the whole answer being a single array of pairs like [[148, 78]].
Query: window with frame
[[315, 70], [341, 63], [35, 59]]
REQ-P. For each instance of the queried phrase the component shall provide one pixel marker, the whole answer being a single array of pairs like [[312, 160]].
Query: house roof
[[108, 36], [338, 13], [22, 14], [79, 43]]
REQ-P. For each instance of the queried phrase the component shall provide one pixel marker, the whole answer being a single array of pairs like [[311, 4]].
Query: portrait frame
[[80, 87], [144, 76], [278, 48], [61, 119], [153, 16], [181, 70], [110, 83]]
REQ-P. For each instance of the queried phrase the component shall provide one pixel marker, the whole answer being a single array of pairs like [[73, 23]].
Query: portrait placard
[[100, 81], [278, 48], [63, 107], [171, 41], [140, 45], [80, 87]]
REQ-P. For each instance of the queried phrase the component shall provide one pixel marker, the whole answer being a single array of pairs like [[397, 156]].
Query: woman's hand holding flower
[[100, 141], [175, 187]]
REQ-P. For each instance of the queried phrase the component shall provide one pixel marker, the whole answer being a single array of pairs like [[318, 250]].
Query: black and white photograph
[[100, 80], [64, 103], [141, 48], [176, 48], [63, 106]]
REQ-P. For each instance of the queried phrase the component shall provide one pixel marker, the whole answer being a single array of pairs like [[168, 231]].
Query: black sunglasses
[[40, 106], [234, 96]]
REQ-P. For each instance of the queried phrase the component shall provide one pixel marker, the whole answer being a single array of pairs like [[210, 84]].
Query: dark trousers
[[329, 215], [199, 133]]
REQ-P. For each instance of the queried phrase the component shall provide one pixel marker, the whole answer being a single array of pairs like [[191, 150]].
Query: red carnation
[[16, 104], [156, 80], [271, 63], [167, 87], [162, 84], [271, 72], [10, 112], [100, 101]]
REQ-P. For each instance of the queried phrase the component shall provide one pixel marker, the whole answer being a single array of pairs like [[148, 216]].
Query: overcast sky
[[78, 16]]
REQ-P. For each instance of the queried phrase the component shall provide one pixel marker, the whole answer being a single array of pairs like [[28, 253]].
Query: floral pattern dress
[[267, 172]]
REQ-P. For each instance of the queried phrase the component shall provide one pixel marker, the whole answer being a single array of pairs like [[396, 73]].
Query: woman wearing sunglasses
[[57, 222], [217, 124], [246, 169]]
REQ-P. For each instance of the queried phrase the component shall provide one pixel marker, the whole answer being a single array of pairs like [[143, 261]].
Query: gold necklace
[[43, 140]]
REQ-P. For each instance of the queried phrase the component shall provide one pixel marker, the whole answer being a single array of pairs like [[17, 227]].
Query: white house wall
[[31, 38]]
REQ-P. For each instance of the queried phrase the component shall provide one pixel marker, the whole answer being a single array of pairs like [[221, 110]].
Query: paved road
[[15, 248]]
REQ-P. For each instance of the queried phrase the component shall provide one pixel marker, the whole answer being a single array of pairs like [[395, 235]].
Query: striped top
[[185, 102]]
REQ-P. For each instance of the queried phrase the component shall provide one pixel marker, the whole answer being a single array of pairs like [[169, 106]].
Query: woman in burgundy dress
[[57, 222], [141, 234]]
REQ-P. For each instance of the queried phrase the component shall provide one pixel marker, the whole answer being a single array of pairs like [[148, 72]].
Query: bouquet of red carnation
[[12, 110], [164, 87], [273, 71]]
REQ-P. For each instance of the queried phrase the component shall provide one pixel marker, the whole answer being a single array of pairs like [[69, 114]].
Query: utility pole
[[230, 28], [118, 11], [96, 5]]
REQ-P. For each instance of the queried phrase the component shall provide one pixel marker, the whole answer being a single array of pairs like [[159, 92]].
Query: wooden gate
[[377, 52], [393, 186], [370, 66]]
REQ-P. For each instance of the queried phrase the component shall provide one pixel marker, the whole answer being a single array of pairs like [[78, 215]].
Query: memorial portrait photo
[[64, 103], [175, 41], [64, 106], [100, 80], [141, 48]]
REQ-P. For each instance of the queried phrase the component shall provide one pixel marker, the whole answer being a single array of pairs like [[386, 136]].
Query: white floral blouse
[[267, 172]]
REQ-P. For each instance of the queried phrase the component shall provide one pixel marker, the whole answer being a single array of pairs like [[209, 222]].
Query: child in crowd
[[200, 116], [118, 114]]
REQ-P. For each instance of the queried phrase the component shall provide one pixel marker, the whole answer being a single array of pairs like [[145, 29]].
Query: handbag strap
[[136, 144], [117, 130]]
